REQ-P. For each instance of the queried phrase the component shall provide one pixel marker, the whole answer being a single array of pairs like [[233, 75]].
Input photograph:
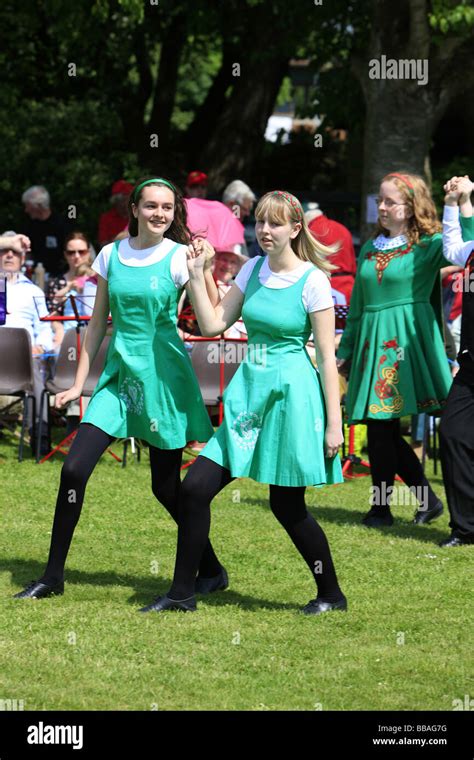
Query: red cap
[[196, 178], [121, 187]]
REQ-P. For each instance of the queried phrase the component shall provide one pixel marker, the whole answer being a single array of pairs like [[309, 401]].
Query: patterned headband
[[294, 203], [404, 179], [148, 181]]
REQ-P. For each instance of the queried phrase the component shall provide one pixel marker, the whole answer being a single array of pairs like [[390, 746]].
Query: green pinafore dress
[[148, 388], [274, 410]]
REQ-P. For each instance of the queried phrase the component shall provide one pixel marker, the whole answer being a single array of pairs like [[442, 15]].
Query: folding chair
[[66, 372], [16, 374], [214, 376]]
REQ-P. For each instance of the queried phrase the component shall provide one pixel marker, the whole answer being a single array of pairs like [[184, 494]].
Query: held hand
[[452, 193], [465, 188], [195, 260], [201, 245], [65, 397], [333, 439]]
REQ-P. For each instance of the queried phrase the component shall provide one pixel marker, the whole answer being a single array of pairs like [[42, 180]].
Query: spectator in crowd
[[17, 243], [328, 232], [227, 265], [239, 198], [115, 220], [72, 282], [26, 304], [46, 229], [196, 185]]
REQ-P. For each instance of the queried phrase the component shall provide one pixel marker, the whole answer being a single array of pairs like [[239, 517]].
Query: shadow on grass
[[401, 528], [146, 589]]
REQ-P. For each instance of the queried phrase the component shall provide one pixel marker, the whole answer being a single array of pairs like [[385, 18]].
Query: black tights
[[391, 455], [202, 483], [86, 450]]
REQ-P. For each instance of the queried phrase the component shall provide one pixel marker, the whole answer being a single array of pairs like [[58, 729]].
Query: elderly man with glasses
[[25, 306]]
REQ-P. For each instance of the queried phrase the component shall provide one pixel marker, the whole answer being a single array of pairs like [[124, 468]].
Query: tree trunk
[[398, 129], [402, 115], [235, 145], [159, 123], [206, 117]]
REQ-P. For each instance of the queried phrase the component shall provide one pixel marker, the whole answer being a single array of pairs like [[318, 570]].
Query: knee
[[161, 493], [72, 476], [194, 494], [288, 512]]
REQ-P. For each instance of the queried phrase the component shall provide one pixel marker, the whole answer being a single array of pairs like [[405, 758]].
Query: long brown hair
[[178, 230], [417, 197], [281, 210]]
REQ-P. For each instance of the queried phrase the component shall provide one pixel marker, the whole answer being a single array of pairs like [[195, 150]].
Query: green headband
[[149, 181]]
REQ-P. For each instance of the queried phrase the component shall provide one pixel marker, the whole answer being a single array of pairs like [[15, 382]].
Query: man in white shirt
[[26, 303], [457, 421]]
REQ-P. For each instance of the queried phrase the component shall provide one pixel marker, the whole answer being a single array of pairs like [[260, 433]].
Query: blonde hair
[[85, 269], [281, 208], [416, 195]]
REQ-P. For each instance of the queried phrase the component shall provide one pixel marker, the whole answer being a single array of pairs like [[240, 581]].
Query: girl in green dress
[[282, 423], [393, 340], [147, 388]]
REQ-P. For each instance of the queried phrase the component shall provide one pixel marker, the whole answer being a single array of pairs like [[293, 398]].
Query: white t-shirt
[[134, 258], [316, 294]]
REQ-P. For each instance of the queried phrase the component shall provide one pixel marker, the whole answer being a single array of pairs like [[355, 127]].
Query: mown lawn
[[406, 642]]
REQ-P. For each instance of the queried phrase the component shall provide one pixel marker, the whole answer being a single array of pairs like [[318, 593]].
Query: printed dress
[[393, 334], [148, 388], [274, 410]]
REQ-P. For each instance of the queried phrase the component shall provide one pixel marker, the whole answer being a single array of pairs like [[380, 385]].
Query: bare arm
[[211, 287], [94, 336], [323, 324]]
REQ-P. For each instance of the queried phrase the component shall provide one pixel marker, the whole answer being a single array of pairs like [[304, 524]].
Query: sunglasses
[[80, 251]]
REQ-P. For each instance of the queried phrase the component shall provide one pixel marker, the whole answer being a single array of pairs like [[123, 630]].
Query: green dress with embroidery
[[394, 333], [148, 388], [274, 410]]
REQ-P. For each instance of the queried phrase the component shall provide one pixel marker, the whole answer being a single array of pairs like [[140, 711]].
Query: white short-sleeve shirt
[[134, 258], [316, 294]]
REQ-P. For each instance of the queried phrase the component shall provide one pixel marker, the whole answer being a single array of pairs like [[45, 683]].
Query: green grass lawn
[[405, 643]]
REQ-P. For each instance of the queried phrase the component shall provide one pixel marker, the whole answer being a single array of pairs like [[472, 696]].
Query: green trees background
[[99, 89]]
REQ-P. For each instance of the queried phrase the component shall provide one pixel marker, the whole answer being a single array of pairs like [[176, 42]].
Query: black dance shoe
[[38, 590], [208, 585], [377, 519], [317, 606], [456, 541], [163, 603], [423, 516]]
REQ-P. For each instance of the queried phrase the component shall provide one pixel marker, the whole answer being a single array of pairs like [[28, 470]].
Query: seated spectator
[[330, 232], [227, 265], [71, 283], [25, 305], [46, 229], [196, 185], [115, 220]]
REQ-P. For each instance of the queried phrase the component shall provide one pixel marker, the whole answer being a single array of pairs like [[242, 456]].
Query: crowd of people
[[282, 413]]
